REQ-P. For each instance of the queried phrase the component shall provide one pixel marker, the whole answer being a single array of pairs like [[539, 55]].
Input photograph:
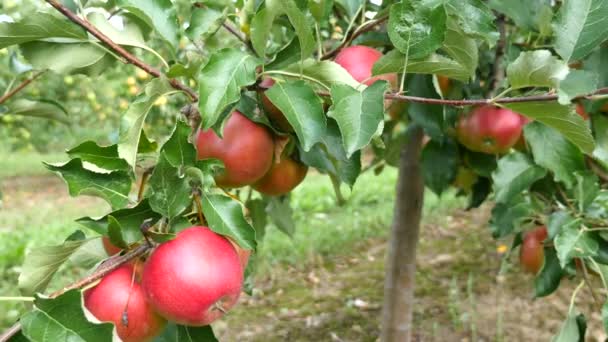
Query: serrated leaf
[[38, 26], [462, 48], [113, 187], [561, 118], [577, 83], [41, 109], [62, 58], [393, 62], [303, 108], [572, 330], [552, 151], [475, 19], [105, 157], [359, 114], [146, 145], [132, 122], [417, 27], [178, 150], [298, 21], [129, 219], [573, 242], [204, 22], [259, 218], [547, 281], [261, 25], [63, 319], [281, 214], [328, 73], [225, 216], [557, 221], [168, 189], [580, 27], [586, 190], [221, 80], [524, 13], [600, 128], [160, 15], [41, 264], [181, 333], [445, 154], [516, 172], [507, 216], [536, 69]]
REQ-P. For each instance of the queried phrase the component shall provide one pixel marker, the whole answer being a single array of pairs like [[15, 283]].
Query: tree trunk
[[401, 256]]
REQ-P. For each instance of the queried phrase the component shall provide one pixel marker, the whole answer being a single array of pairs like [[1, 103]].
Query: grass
[[38, 214], [26, 164]]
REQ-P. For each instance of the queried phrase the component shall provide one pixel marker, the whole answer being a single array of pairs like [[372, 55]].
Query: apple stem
[[199, 206]]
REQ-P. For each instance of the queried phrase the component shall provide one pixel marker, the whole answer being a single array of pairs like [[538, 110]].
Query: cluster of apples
[[191, 280]]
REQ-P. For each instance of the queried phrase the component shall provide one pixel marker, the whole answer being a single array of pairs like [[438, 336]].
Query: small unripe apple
[[195, 278], [247, 150], [532, 252], [489, 129], [109, 247], [119, 299], [283, 177]]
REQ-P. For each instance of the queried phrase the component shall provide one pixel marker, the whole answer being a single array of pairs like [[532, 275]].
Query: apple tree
[[503, 99]]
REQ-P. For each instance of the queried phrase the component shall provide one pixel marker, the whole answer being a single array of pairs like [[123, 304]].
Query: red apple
[[247, 150], [195, 278], [580, 110], [532, 252], [119, 291], [109, 247], [358, 60], [489, 129], [282, 177]]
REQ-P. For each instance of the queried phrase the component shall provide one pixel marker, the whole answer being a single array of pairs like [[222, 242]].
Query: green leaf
[[298, 21], [600, 128], [105, 157], [417, 27], [261, 25], [577, 83], [547, 281], [586, 190], [572, 330], [39, 26], [41, 263], [431, 117], [288, 55], [439, 153], [168, 189], [62, 57], [63, 319], [328, 73], [320, 9], [113, 186], [181, 333], [462, 48], [524, 13], [536, 69], [225, 216], [330, 157], [178, 150], [573, 242], [146, 145], [516, 172], [259, 218], [359, 114], [281, 214], [508, 216], [129, 220], [41, 109], [132, 122], [115, 233], [561, 118], [160, 15], [393, 62], [221, 80], [350, 6], [552, 151], [302, 107], [557, 221], [475, 19], [581, 26], [204, 22]]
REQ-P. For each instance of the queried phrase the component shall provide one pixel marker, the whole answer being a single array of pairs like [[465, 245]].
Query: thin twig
[[359, 31], [110, 265], [588, 283], [20, 87], [199, 207], [142, 184], [119, 49]]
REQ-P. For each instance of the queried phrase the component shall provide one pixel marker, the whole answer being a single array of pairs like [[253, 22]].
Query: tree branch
[[20, 87], [350, 37], [119, 49], [110, 265]]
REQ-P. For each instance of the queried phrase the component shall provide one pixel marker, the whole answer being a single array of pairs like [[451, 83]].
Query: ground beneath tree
[[460, 295]]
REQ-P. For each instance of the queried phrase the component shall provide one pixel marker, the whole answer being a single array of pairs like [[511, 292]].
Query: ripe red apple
[[244, 254], [247, 150], [532, 253], [580, 110], [358, 60], [274, 114], [193, 279], [109, 247], [283, 177], [119, 291], [489, 129]]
